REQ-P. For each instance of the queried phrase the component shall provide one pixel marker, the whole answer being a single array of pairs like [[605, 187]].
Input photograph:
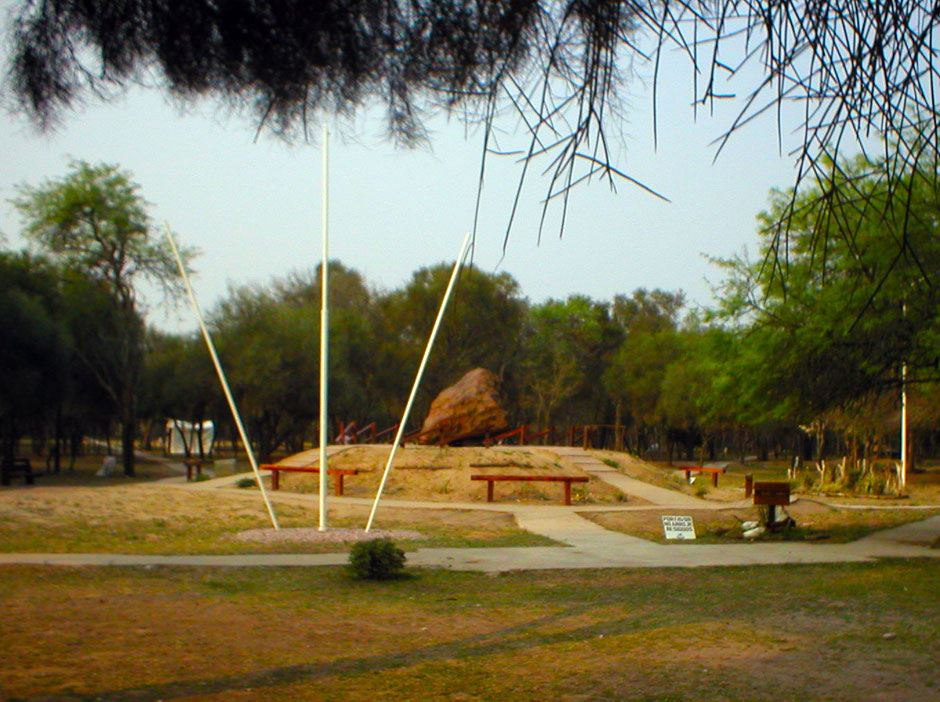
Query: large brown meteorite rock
[[468, 409]]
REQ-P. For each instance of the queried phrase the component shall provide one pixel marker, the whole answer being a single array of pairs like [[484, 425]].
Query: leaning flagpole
[[222, 379], [414, 389], [324, 324]]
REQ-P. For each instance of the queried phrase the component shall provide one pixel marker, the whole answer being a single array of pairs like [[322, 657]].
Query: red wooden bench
[[338, 474], [566, 479], [715, 472]]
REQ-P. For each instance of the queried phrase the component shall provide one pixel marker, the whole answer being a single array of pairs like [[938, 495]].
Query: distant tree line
[[784, 365]]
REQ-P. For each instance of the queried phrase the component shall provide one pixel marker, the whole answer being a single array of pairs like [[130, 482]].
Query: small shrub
[[806, 482], [245, 483], [610, 462], [378, 559]]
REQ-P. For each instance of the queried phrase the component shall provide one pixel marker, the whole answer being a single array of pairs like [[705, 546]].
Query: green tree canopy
[[566, 345], [268, 339], [94, 221], [634, 375], [845, 316], [35, 354], [481, 327]]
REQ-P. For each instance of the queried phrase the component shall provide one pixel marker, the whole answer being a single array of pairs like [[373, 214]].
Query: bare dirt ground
[[73, 511], [814, 521], [434, 474], [162, 519], [828, 632]]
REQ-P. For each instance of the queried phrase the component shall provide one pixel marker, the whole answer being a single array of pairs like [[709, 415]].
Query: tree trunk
[[57, 441], [128, 426], [9, 438]]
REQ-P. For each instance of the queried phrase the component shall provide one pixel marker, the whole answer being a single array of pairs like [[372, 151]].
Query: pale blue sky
[[253, 209]]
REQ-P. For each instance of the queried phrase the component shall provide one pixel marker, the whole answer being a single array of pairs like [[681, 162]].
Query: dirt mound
[[435, 474]]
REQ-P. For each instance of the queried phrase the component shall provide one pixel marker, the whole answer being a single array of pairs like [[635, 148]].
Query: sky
[[252, 207]]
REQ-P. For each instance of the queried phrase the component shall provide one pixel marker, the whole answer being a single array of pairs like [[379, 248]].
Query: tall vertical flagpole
[[414, 389], [902, 479], [225, 388], [324, 325]]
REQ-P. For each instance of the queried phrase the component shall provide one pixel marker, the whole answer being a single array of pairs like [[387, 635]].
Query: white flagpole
[[222, 379], [324, 325], [420, 373], [902, 478]]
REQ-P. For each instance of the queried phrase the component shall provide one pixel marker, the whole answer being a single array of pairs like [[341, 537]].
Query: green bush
[[245, 483], [378, 559]]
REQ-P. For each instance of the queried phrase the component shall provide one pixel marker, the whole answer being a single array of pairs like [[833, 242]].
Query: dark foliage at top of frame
[[858, 68]]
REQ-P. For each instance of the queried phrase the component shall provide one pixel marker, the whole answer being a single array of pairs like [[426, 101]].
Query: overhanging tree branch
[[861, 69]]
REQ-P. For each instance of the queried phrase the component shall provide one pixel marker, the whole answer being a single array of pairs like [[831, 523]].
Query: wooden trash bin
[[771, 494]]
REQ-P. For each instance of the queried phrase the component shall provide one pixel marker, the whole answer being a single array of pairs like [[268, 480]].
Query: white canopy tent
[[182, 438]]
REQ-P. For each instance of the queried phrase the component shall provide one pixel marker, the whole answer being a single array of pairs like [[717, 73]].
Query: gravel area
[[310, 535]]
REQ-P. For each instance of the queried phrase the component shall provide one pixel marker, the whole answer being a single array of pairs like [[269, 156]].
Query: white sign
[[678, 527]]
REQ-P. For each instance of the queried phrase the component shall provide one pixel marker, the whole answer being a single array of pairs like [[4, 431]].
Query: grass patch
[[814, 522], [159, 520], [758, 634]]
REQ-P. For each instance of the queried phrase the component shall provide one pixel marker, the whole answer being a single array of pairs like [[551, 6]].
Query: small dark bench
[[715, 472], [566, 479], [14, 467], [338, 474]]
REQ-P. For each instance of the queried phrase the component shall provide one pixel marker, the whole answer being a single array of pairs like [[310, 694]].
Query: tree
[[178, 381], [35, 354], [94, 220], [269, 349], [566, 343], [634, 374], [857, 67], [481, 327], [268, 339], [833, 333]]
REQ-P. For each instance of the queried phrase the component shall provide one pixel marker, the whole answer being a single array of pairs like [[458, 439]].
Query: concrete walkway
[[627, 485], [589, 546], [584, 544]]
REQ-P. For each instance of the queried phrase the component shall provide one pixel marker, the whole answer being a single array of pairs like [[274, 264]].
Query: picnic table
[[15, 467], [714, 472]]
